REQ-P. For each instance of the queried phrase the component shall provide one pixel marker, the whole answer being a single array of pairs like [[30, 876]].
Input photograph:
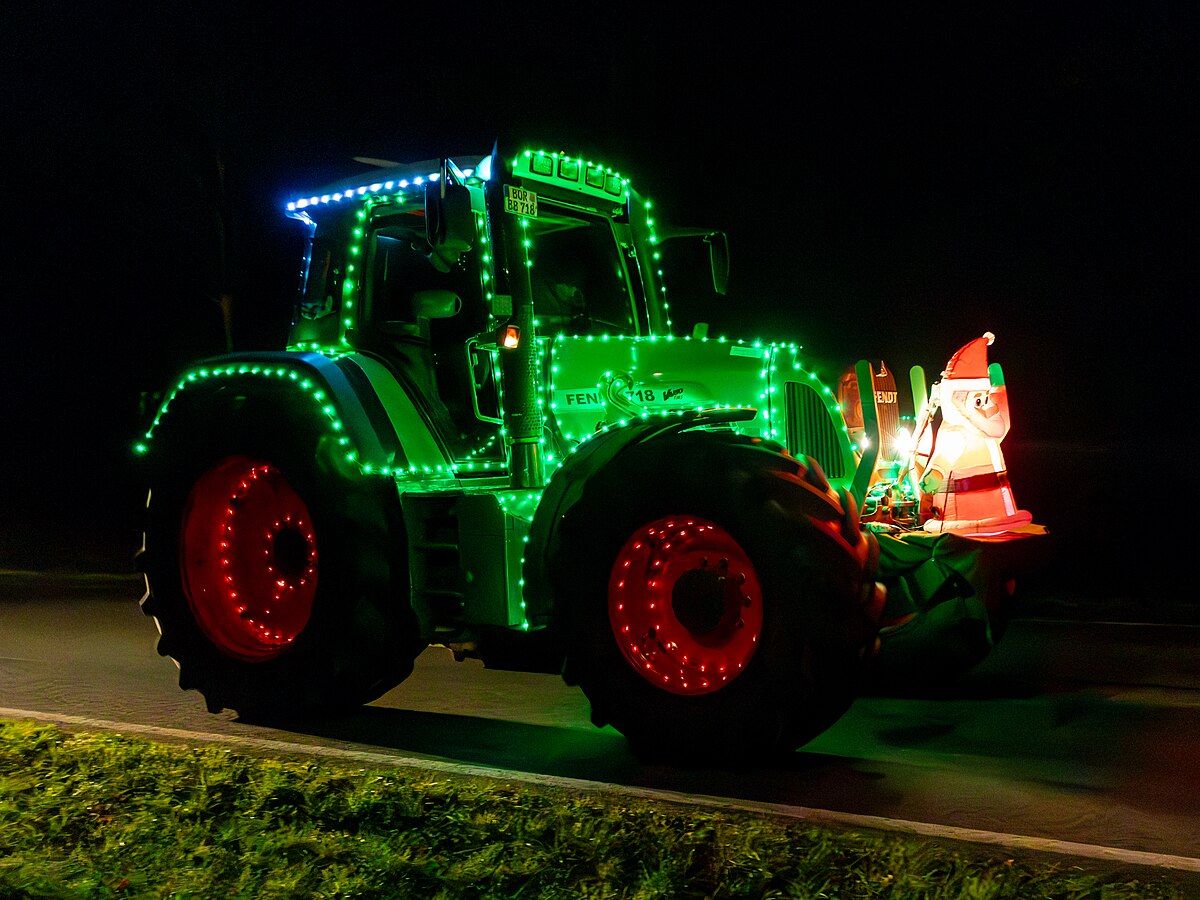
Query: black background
[[894, 181]]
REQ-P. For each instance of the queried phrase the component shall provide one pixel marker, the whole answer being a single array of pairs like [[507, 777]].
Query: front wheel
[[715, 597], [685, 605]]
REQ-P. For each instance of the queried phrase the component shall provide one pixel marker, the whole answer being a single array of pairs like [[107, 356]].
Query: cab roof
[[383, 179]]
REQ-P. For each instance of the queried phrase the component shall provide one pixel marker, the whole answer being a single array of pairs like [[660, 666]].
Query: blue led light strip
[[356, 192]]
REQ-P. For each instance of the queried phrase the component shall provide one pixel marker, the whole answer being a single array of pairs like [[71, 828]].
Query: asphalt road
[[1034, 743]]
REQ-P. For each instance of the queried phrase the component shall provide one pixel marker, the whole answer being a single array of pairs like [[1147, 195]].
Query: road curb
[[1112, 855]]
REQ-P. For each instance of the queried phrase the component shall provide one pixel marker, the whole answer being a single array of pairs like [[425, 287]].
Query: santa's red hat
[[970, 363]]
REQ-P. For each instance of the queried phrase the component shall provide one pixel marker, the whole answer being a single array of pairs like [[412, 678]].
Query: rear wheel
[[277, 580], [715, 598], [248, 559]]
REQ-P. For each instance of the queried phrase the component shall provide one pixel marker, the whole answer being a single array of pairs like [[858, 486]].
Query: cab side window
[[323, 279], [400, 269]]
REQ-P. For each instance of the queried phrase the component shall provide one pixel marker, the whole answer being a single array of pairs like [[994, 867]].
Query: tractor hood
[[601, 379]]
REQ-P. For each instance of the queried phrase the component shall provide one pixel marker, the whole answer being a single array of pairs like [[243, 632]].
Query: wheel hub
[[685, 605], [289, 551], [699, 600], [248, 559]]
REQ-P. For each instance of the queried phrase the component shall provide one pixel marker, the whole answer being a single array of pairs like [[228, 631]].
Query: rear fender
[[360, 434]]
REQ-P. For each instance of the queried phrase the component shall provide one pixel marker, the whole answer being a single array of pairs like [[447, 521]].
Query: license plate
[[520, 202]]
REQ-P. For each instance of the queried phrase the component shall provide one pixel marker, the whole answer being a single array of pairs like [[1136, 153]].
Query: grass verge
[[97, 815]]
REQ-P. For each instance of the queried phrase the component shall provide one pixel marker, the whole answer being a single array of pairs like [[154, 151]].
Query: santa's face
[[956, 403], [980, 400]]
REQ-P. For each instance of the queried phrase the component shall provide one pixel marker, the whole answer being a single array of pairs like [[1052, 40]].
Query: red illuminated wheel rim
[[685, 605], [248, 559]]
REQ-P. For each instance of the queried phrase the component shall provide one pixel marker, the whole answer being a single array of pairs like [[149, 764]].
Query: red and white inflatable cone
[[964, 485]]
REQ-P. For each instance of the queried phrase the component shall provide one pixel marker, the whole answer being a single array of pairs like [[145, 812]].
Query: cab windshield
[[577, 275]]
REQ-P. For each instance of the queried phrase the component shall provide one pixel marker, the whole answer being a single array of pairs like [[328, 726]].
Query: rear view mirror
[[718, 251], [718, 258], [449, 222]]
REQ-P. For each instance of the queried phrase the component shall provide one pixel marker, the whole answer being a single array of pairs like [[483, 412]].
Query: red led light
[[683, 600], [248, 554], [510, 337]]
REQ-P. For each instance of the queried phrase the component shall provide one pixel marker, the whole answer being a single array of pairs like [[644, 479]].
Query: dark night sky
[[894, 182]]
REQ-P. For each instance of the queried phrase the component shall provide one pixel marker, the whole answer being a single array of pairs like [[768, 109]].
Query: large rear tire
[[715, 598], [278, 580]]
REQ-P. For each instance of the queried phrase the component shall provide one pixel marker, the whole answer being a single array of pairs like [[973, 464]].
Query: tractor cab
[[379, 282], [520, 303], [422, 267]]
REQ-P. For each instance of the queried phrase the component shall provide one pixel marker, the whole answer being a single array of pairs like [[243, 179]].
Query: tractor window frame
[[621, 248]]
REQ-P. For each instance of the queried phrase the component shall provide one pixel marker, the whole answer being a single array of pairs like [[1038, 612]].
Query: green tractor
[[484, 435]]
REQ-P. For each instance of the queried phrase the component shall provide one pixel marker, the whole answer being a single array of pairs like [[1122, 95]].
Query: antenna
[[377, 163]]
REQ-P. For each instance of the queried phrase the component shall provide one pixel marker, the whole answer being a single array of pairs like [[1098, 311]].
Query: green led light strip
[[540, 348], [354, 254], [487, 269], [521, 505], [656, 255], [526, 247], [487, 278], [769, 350], [320, 398], [482, 448], [317, 347], [585, 167]]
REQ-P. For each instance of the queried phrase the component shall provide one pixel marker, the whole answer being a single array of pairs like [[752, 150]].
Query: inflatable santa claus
[[957, 460]]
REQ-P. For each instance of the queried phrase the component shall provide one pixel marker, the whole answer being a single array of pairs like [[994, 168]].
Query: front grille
[[810, 428]]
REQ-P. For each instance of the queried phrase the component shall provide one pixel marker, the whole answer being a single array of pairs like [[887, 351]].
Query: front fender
[[566, 486]]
